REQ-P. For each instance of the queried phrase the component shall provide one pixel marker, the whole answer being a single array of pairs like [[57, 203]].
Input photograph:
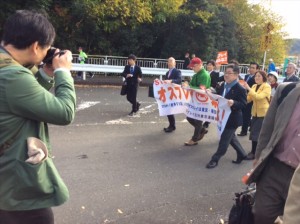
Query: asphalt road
[[126, 170]]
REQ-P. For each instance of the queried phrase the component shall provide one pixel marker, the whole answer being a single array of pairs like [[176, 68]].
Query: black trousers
[[228, 137], [171, 119], [197, 124], [246, 117], [131, 95], [271, 191], [37, 216]]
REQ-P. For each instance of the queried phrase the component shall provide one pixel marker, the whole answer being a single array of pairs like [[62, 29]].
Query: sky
[[289, 10]]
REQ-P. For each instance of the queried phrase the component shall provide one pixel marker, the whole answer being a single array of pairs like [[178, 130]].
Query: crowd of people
[[265, 109], [270, 110]]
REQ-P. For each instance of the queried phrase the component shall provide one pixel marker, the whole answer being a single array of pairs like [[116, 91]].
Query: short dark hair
[[263, 74], [211, 62], [254, 63], [234, 61], [25, 27], [132, 56], [235, 68]]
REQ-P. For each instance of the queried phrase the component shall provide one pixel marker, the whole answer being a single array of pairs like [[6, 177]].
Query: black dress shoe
[[242, 134], [131, 113], [138, 106], [212, 164], [239, 160], [169, 129]]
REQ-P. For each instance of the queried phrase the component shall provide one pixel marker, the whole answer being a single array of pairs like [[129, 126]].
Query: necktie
[[169, 73], [131, 70]]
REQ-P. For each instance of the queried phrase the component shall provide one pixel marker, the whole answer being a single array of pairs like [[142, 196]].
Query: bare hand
[[246, 86], [168, 81], [62, 61], [185, 84], [129, 75], [139, 79], [230, 103]]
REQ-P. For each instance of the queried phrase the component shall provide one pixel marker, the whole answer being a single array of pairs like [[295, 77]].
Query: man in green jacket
[[29, 182], [200, 80]]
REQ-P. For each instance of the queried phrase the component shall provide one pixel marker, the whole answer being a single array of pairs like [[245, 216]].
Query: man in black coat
[[133, 75], [237, 99], [172, 76], [186, 60], [249, 78]]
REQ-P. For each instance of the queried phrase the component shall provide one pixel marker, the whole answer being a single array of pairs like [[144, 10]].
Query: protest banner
[[222, 57], [194, 103]]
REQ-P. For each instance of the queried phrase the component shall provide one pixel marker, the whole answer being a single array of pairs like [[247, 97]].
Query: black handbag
[[150, 91], [241, 211], [124, 88]]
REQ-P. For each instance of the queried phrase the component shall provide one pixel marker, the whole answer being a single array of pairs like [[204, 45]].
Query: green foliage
[[160, 28]]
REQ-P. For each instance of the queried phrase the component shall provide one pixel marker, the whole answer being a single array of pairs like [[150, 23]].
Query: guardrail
[[146, 70], [119, 69], [142, 62]]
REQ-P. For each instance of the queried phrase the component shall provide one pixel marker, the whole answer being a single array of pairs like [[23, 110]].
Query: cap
[[270, 59], [275, 74], [195, 61]]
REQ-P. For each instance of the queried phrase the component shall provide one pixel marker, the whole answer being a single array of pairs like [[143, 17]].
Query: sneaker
[[190, 143]]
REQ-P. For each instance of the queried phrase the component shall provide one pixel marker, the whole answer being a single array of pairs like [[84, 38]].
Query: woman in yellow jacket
[[259, 94]]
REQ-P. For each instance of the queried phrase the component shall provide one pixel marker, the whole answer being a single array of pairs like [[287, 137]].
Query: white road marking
[[118, 121], [87, 104]]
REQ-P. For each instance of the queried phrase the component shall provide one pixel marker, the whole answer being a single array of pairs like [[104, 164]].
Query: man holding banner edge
[[200, 80], [237, 100]]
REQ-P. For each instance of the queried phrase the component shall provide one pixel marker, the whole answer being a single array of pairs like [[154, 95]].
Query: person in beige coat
[[292, 206], [277, 154]]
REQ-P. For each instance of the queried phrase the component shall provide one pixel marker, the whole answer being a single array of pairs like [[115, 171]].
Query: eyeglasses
[[229, 73]]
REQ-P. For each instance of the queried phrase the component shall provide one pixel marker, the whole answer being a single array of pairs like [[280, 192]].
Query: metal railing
[[150, 66]]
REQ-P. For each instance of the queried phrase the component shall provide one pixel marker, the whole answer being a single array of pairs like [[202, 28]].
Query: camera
[[51, 54]]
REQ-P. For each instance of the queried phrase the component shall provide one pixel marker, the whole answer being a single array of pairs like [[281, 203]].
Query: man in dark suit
[[186, 60], [133, 75], [172, 76], [237, 99], [290, 73], [214, 79], [214, 76], [249, 78]]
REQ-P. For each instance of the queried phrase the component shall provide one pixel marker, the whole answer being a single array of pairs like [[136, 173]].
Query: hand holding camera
[[56, 58]]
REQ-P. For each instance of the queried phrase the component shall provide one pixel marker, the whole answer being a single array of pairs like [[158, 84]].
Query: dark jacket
[[186, 63], [251, 80], [137, 73], [238, 94], [214, 77], [293, 78], [175, 76]]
